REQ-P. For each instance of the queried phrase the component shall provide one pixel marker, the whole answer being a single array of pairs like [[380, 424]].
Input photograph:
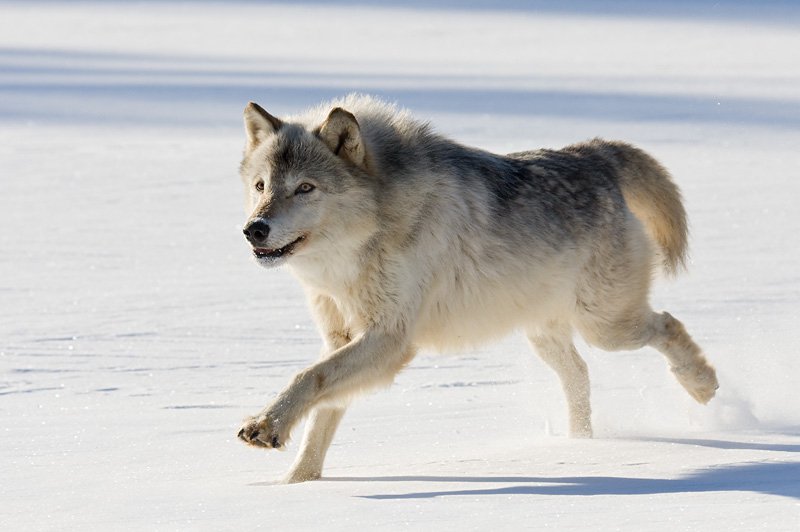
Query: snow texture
[[136, 333]]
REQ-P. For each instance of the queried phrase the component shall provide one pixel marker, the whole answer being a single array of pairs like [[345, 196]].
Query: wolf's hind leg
[[554, 346], [686, 360], [320, 428], [635, 329]]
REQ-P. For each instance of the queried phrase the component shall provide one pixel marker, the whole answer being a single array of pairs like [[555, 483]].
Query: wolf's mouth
[[264, 253]]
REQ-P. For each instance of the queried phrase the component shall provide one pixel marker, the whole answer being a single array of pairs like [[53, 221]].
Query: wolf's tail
[[655, 200]]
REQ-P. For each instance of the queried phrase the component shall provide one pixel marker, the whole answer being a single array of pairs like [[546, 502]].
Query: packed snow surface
[[136, 333]]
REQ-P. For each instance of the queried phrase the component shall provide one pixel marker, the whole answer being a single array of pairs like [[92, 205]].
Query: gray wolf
[[404, 239]]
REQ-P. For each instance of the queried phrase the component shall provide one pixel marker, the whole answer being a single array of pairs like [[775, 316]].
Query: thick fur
[[404, 239]]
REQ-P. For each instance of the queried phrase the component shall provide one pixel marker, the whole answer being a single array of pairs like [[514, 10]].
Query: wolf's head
[[307, 187]]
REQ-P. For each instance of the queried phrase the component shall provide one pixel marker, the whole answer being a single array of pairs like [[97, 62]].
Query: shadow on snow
[[61, 86], [773, 478]]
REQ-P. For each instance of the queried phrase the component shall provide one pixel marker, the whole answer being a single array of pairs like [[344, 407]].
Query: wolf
[[404, 239]]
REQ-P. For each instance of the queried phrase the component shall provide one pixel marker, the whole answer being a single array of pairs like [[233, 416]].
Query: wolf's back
[[654, 199]]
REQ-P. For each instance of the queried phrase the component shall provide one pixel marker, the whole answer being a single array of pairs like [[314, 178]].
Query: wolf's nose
[[256, 231]]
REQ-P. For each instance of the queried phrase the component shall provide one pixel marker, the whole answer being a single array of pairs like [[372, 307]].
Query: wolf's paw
[[260, 431], [700, 380]]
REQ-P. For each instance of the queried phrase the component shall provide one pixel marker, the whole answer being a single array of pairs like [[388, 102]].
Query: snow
[[136, 334]]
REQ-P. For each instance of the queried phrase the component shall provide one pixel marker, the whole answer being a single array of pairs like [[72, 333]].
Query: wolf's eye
[[304, 188], [260, 186]]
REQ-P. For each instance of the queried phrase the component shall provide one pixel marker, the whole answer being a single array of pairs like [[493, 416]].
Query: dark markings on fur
[[294, 153], [577, 186], [505, 178], [568, 192], [286, 155]]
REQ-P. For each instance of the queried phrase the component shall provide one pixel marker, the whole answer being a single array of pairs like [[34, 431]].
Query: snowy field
[[136, 333]]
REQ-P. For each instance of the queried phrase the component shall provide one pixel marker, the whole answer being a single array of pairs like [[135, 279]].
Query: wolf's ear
[[341, 133], [258, 124]]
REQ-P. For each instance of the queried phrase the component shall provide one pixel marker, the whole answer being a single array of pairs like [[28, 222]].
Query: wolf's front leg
[[320, 428], [368, 362]]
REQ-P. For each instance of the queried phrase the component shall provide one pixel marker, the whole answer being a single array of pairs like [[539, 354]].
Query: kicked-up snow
[[136, 333]]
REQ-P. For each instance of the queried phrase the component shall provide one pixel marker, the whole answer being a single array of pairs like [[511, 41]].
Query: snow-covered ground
[[136, 333]]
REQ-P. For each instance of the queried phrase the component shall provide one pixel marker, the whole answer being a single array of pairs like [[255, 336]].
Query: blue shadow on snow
[[59, 86], [771, 478]]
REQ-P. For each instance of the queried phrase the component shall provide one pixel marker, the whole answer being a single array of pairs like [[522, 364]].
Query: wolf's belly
[[464, 317]]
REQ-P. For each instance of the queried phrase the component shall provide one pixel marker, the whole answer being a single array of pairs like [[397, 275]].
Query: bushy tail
[[656, 201]]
